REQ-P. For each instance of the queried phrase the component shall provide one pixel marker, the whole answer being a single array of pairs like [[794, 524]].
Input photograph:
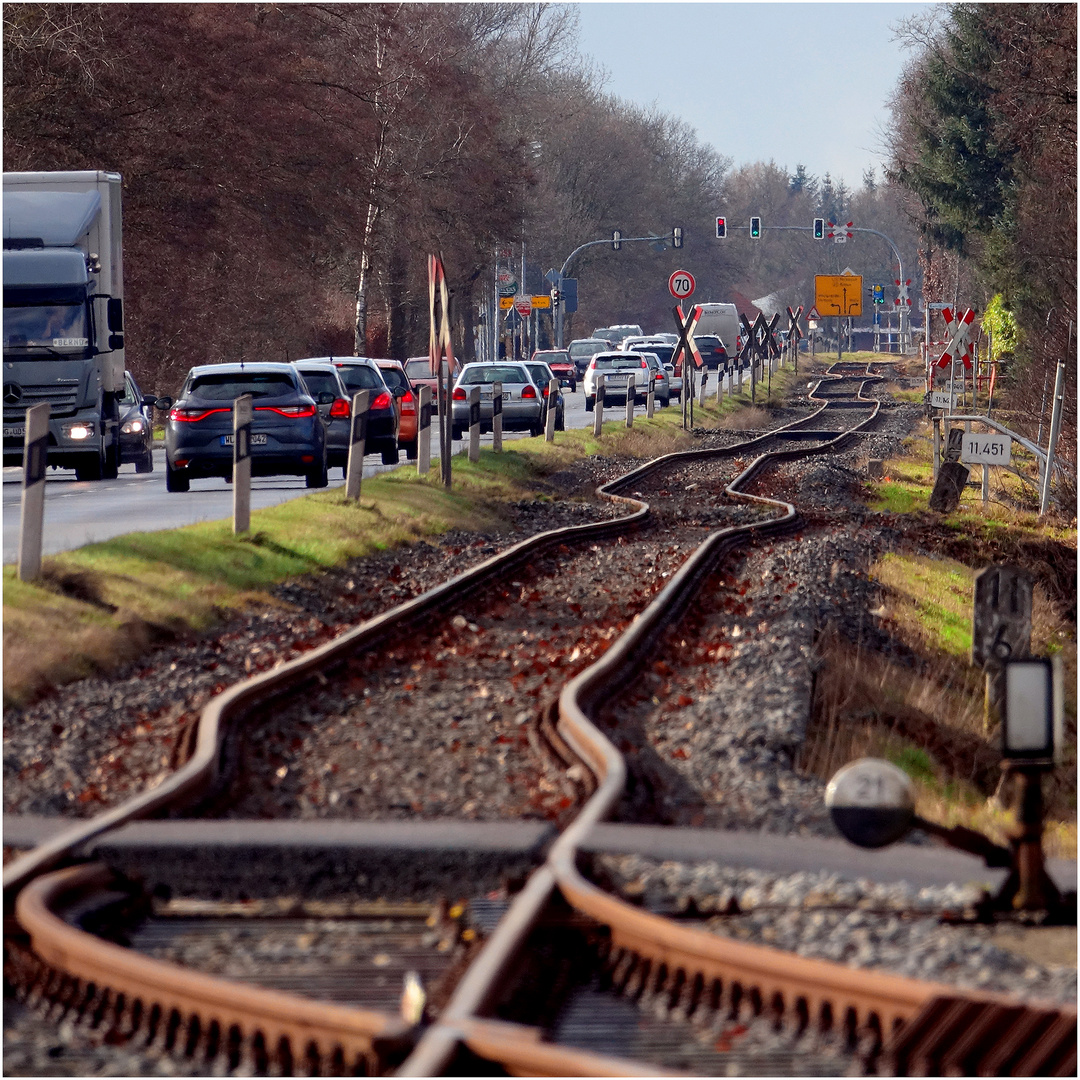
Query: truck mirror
[[116, 319]]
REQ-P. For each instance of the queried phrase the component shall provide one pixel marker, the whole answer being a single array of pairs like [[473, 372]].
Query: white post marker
[[241, 468], [631, 394], [423, 432], [981, 449], [496, 417], [702, 388], [357, 437], [32, 521], [650, 401], [552, 400], [598, 408], [474, 423]]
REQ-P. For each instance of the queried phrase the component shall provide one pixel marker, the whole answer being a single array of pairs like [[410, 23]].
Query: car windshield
[[554, 358], [54, 326], [321, 382], [419, 369], [540, 373], [395, 378], [663, 352], [617, 363], [587, 348], [228, 387], [361, 377], [492, 373], [130, 397]]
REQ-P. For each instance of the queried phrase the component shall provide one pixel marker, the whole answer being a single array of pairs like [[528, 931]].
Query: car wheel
[[665, 402], [318, 477], [410, 450], [391, 454], [589, 404], [176, 479], [110, 465], [537, 429], [457, 432], [573, 387], [146, 464]]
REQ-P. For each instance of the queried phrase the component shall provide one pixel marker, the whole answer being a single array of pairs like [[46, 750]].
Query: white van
[[723, 321]]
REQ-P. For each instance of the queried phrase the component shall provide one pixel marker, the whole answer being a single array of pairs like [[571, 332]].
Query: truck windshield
[[53, 326]]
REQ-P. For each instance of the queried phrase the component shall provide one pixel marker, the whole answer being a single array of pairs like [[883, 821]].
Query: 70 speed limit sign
[[681, 284]]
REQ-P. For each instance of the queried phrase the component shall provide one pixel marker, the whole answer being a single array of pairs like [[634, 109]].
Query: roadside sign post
[[32, 519], [423, 432], [241, 469], [357, 437], [496, 417]]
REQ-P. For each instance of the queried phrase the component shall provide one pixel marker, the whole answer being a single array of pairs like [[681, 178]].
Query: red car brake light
[[341, 409], [407, 405], [459, 394], [191, 416], [383, 401], [529, 392], [294, 412]]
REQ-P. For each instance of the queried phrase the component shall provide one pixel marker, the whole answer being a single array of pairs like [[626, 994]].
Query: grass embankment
[[104, 604], [927, 714]]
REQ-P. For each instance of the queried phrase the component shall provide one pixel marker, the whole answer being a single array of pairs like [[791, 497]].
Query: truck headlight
[[134, 427], [79, 430]]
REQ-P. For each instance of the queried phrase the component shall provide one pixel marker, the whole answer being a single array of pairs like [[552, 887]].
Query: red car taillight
[[644, 363], [407, 405], [383, 401], [191, 416], [459, 394], [341, 409], [529, 392], [294, 412]]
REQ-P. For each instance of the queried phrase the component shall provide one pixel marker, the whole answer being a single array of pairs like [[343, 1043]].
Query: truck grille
[[61, 399]]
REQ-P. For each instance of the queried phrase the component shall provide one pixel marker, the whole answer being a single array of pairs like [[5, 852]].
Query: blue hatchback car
[[288, 437]]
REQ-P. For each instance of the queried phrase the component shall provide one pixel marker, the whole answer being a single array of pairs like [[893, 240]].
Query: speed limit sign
[[681, 284]]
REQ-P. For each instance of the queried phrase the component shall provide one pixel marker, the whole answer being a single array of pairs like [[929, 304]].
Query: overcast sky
[[794, 82]]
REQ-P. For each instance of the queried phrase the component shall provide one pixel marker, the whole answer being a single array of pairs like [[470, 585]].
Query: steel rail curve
[[764, 979]]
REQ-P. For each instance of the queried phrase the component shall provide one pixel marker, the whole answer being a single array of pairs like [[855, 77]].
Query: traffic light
[[755, 228], [879, 294], [819, 228], [676, 237], [721, 227]]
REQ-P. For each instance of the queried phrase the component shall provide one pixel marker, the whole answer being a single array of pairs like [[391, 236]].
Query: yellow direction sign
[[506, 303], [543, 301], [838, 294]]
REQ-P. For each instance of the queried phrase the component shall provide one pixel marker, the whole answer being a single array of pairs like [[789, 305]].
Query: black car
[[713, 353], [335, 407], [136, 427], [288, 437], [384, 411]]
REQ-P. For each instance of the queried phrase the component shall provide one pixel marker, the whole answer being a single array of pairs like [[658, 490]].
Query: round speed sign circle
[[681, 284]]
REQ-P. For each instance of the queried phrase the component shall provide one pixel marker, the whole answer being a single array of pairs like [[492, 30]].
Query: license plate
[[14, 433], [256, 440]]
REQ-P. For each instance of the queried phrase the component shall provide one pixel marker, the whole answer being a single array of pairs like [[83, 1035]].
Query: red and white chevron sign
[[959, 343]]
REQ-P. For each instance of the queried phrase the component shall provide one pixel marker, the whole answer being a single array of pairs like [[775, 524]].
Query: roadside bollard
[[357, 437], [241, 464], [598, 409], [650, 401], [552, 408], [32, 520], [423, 432], [474, 423], [704, 384], [631, 394], [721, 374], [496, 417]]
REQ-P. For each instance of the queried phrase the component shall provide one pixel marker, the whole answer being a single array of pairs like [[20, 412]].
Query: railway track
[[531, 664]]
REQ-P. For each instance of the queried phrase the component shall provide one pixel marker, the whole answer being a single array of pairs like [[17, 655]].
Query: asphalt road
[[82, 512]]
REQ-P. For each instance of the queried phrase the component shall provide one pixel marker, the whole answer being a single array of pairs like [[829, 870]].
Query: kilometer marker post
[[241, 470], [357, 438]]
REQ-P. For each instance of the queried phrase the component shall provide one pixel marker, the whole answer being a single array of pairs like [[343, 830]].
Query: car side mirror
[[399, 391], [325, 398], [148, 400], [163, 403]]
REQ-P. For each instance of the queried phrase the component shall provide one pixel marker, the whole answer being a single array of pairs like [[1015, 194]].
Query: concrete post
[[650, 401], [241, 470], [598, 408], [496, 417], [552, 408], [474, 423], [631, 394], [357, 437], [423, 432], [32, 521]]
